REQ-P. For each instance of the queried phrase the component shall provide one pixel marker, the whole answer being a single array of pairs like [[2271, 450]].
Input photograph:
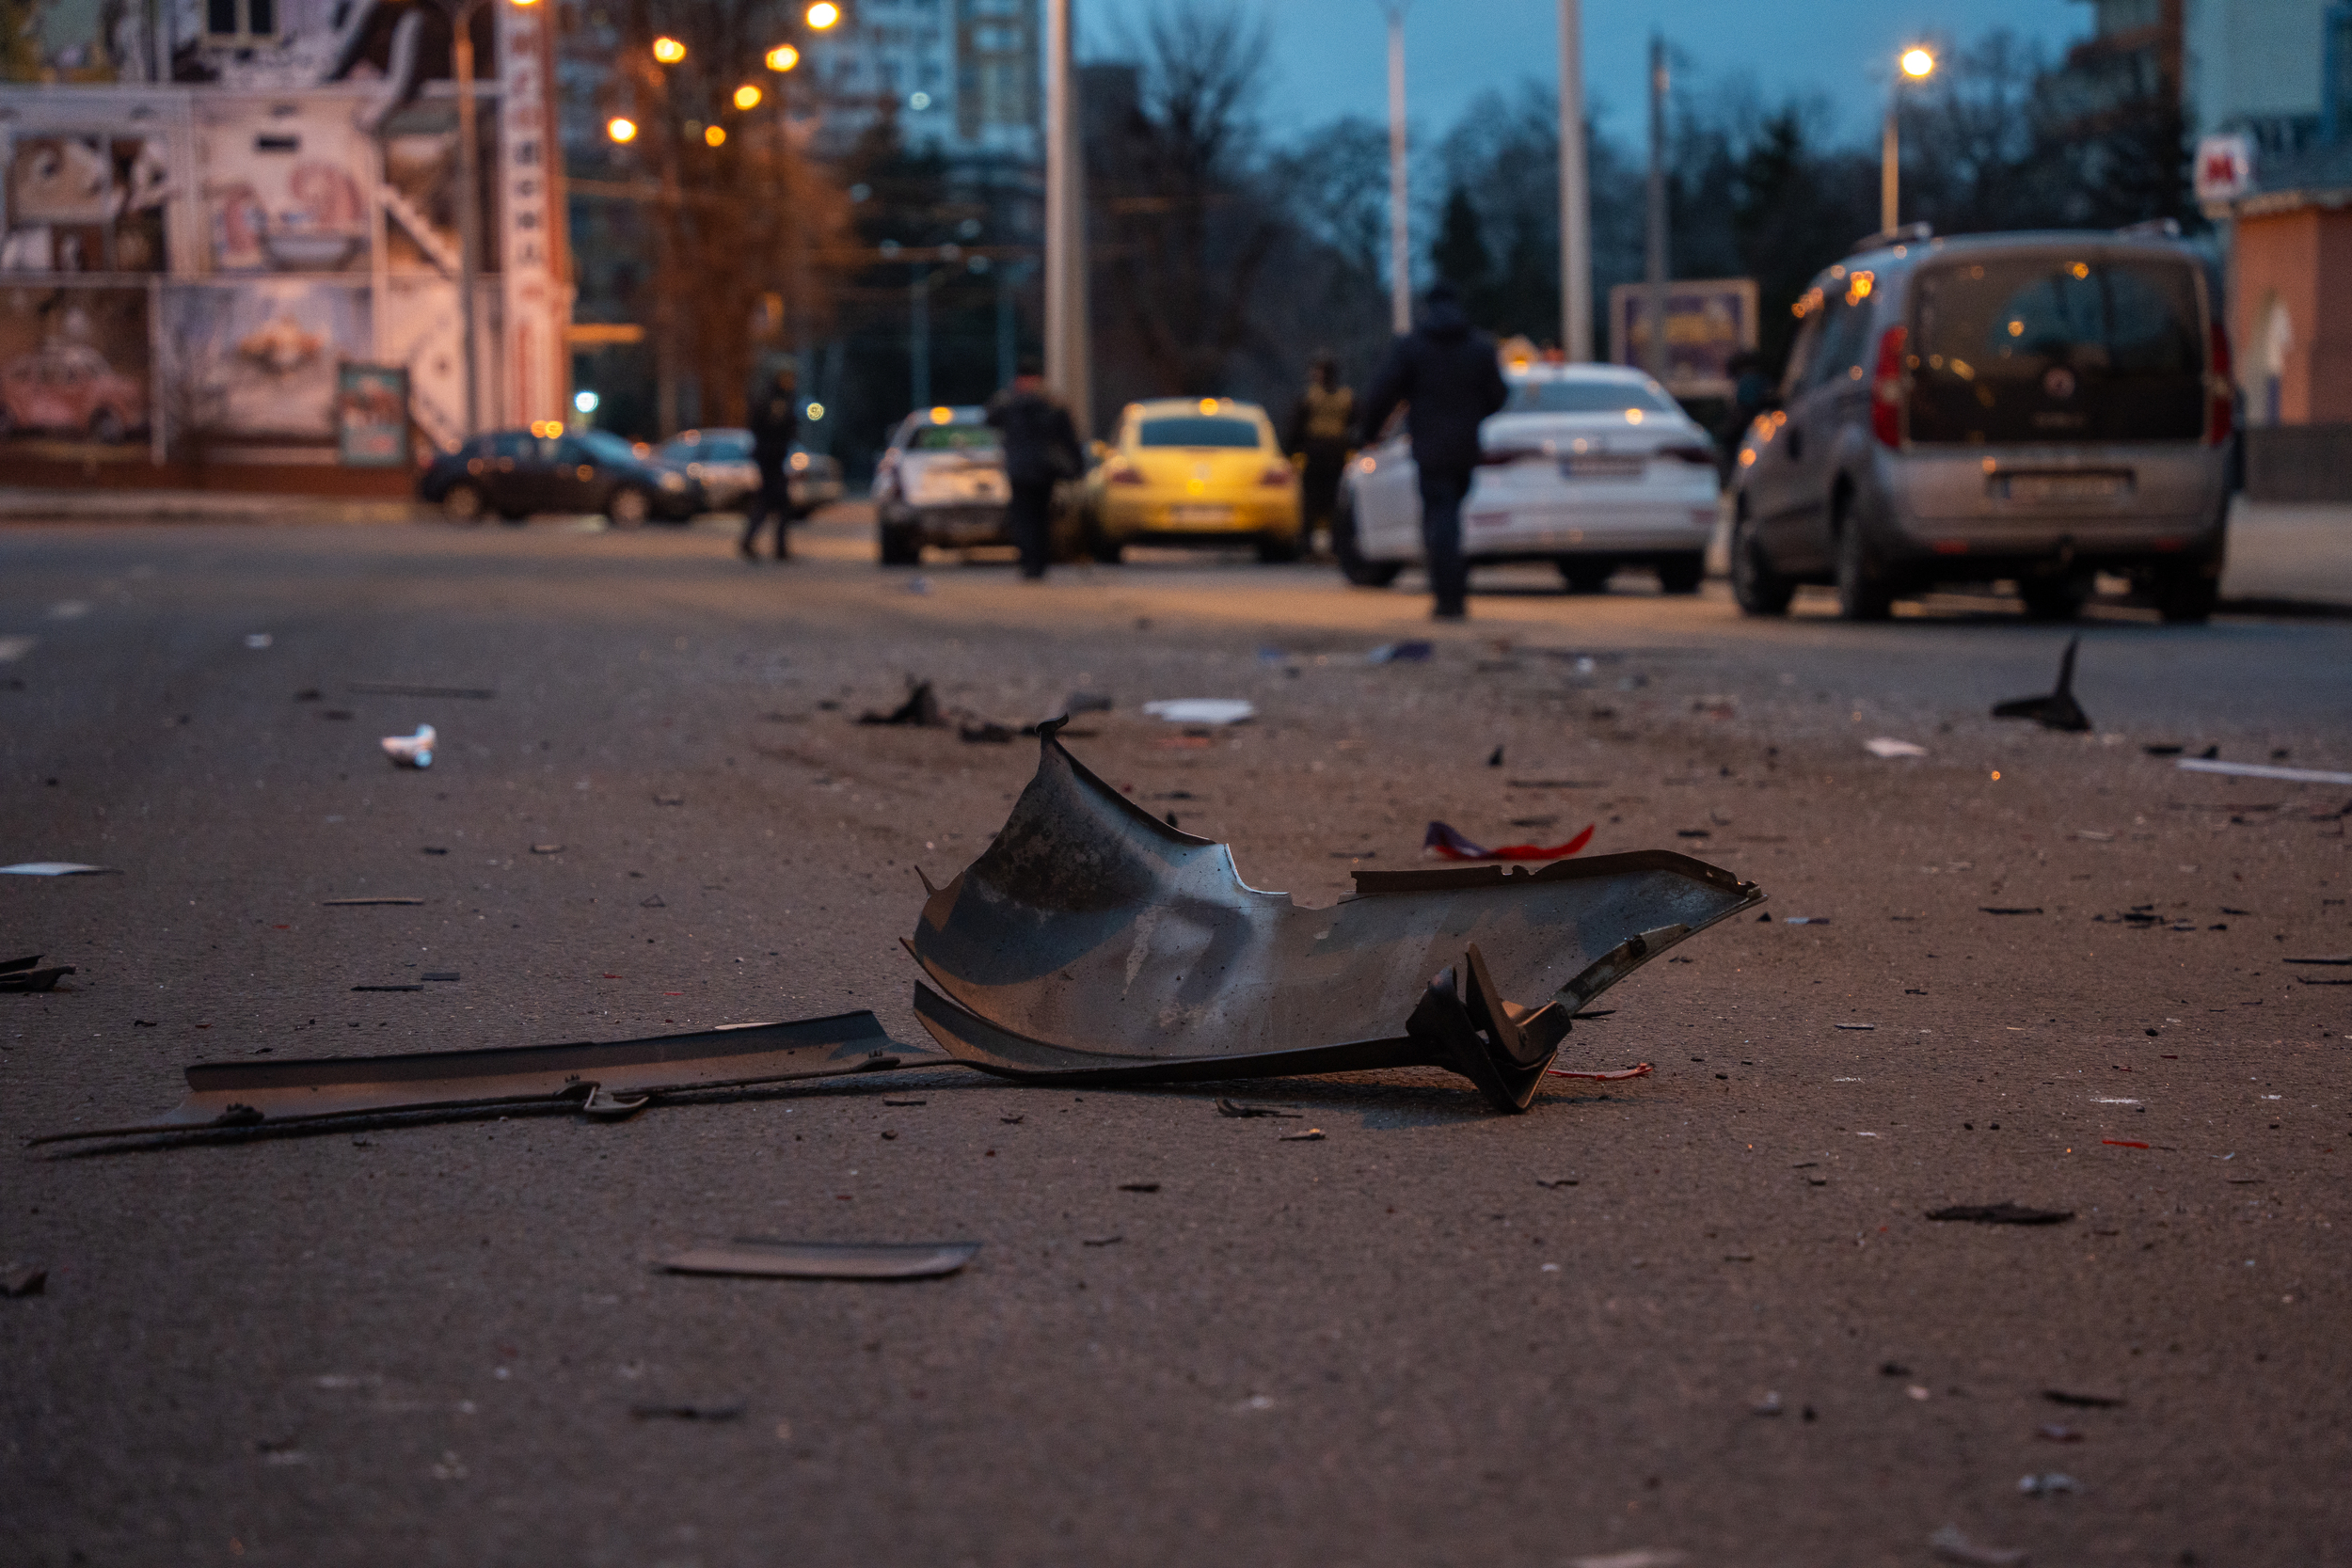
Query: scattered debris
[[920, 710], [387, 987], [1138, 1186], [1400, 653], [17, 1280], [2164, 750], [441, 975], [652, 901], [1805, 920], [1556, 783], [1105, 1241], [1556, 1182], [1768, 1405], [27, 974], [2263, 771], [668, 800], [411, 751], [1446, 844], [1643, 1558], [435, 849], [605, 1078], [1234, 1108], [687, 1411], [1495, 758], [1953, 1545], [2048, 1485], [362, 903], [1199, 710], [2083, 1401], [2053, 1432], [1854, 1025], [2001, 909], [1617, 1075], [53, 869], [2058, 710], [2329, 960], [2001, 1214], [765, 1259], [546, 849], [987, 732], [1311, 1135], [385, 689], [257, 641], [1069, 949], [918, 584], [1885, 747]]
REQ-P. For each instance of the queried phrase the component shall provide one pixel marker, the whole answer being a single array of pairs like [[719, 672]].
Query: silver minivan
[[2039, 407]]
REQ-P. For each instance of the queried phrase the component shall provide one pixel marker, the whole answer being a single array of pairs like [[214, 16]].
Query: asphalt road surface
[[1436, 1336]]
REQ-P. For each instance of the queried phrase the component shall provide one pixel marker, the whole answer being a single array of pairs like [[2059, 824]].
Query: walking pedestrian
[[775, 421], [1446, 375], [1320, 427], [1041, 451]]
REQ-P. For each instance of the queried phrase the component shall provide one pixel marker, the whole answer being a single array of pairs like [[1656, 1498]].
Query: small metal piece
[[2056, 711], [607, 1079], [771, 1259]]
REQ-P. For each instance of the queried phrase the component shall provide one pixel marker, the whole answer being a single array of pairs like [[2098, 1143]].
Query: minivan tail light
[[2219, 413], [1886, 389]]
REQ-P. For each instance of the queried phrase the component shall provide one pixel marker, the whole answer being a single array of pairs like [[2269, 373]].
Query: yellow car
[[1193, 471]]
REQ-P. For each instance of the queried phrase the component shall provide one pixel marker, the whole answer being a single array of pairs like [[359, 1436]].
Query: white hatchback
[[1589, 467]]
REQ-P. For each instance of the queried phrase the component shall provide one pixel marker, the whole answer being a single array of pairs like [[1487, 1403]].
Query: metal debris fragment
[[605, 1078], [1234, 1108], [53, 869], [2056, 711], [1092, 942], [17, 1280], [726, 1412], [2001, 1214], [2263, 771], [1443, 841], [27, 974], [764, 1258], [920, 710], [1953, 1545]]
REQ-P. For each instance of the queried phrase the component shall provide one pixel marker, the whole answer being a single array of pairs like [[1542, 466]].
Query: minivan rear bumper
[[2126, 503]]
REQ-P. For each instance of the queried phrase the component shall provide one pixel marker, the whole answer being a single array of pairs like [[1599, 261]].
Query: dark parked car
[[514, 473], [720, 460], [2038, 407]]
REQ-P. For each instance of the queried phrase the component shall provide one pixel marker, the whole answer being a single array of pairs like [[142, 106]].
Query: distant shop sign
[[1707, 320], [2225, 167], [372, 414]]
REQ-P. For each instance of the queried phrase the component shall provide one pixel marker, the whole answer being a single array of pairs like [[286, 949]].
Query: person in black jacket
[[1446, 373], [775, 415], [1041, 451]]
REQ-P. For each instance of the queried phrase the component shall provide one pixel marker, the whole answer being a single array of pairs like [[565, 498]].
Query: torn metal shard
[[411, 751], [919, 712], [771, 1259], [53, 869], [1093, 941], [2083, 1401], [2058, 710], [728, 1411], [1234, 1108], [1886, 746], [2001, 1214], [1445, 842], [2263, 771], [26, 975], [1952, 1545], [1203, 710], [603, 1078], [362, 903]]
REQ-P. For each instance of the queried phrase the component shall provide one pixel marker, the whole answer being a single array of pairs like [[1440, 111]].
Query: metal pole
[[1576, 206], [1400, 211], [1890, 162], [1066, 367], [1008, 360], [919, 334], [1654, 301], [469, 205]]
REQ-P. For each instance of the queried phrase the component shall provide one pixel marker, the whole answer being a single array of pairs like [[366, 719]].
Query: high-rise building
[[961, 77]]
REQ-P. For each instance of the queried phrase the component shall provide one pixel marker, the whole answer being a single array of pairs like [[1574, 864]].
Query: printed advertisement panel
[[261, 358], [73, 365], [1707, 320], [371, 415]]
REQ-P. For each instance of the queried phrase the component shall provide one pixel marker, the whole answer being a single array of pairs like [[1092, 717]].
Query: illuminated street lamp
[[668, 50], [783, 58], [747, 97], [714, 135], [1915, 64], [621, 129], [823, 14]]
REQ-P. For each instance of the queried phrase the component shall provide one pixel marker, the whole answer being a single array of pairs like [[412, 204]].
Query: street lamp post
[[1576, 206], [468, 196], [1399, 212], [1915, 64], [1066, 367]]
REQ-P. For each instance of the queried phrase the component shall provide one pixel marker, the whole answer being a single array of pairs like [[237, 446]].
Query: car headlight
[[673, 482]]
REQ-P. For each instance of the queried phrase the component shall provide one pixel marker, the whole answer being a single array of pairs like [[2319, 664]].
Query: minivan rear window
[[2043, 348]]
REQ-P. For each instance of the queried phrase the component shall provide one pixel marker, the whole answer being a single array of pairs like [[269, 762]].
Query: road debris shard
[[1446, 844], [1234, 1108], [411, 751], [17, 1280], [53, 868], [2083, 1401], [2001, 1214], [1092, 942], [1885, 745], [1953, 1545], [604, 1078], [920, 710], [394, 688], [27, 974], [764, 1258], [2261, 771], [1617, 1075], [362, 903], [2056, 711], [1399, 653], [688, 1412], [2049, 1485], [1311, 1135], [1199, 710]]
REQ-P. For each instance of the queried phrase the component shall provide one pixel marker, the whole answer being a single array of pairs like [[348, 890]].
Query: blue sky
[[1329, 56]]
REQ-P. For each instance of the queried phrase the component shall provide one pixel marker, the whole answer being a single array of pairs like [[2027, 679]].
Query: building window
[[240, 24]]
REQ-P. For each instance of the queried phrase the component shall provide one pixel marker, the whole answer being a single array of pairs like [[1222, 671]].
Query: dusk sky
[[1329, 56]]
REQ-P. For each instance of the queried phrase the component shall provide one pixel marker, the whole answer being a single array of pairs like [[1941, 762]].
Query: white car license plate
[[2065, 487], [1600, 467], [1199, 516]]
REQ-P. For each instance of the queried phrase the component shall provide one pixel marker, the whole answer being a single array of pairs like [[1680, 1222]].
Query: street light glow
[[668, 50], [585, 401], [783, 58], [714, 134], [747, 97], [1917, 63], [823, 14], [621, 128]]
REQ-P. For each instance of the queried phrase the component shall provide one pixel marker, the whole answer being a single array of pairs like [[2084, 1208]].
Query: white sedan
[[1589, 467]]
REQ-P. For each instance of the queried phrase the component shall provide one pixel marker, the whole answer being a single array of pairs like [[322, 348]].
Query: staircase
[[411, 218]]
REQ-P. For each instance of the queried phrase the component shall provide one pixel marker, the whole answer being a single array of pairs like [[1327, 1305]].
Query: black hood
[[1441, 318]]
